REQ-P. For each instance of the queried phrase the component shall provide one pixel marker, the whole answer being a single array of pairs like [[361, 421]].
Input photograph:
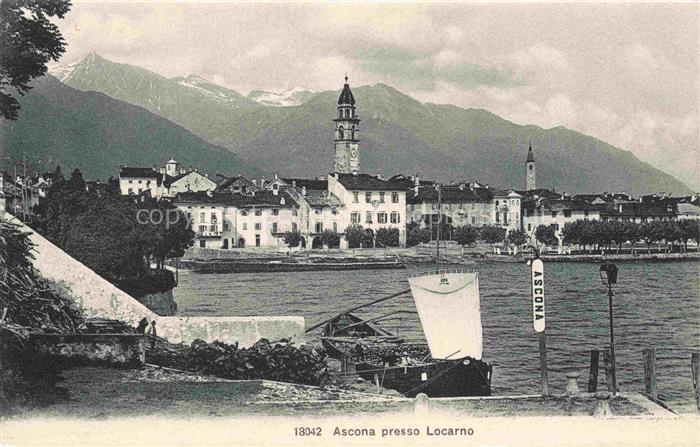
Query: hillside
[[398, 134], [89, 130]]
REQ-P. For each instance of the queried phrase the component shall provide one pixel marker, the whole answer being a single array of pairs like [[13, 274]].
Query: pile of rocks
[[280, 361]]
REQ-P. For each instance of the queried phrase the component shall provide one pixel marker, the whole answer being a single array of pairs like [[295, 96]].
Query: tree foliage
[[517, 237], [292, 238], [388, 237], [415, 234], [112, 234], [545, 235], [28, 41], [492, 234], [465, 235], [330, 238], [355, 235]]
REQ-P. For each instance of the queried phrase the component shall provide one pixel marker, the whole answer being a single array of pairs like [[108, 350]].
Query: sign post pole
[[538, 318]]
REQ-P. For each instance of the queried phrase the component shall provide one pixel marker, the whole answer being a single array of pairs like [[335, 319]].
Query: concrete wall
[[97, 297]]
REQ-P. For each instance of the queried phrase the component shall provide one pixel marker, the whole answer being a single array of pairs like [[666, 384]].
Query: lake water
[[656, 304]]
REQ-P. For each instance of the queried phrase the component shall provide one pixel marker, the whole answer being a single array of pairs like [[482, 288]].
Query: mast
[[439, 220]]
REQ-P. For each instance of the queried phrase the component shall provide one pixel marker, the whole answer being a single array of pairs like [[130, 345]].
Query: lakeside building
[[370, 202], [222, 220], [166, 182]]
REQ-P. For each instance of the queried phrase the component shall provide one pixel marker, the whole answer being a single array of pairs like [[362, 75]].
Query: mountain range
[[292, 133], [95, 133]]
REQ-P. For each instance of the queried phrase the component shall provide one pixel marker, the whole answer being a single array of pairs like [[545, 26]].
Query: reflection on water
[[656, 305]]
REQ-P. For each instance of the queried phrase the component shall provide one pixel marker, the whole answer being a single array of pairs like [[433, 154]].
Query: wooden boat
[[408, 367]]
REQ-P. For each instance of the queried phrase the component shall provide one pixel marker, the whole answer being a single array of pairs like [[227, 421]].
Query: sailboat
[[448, 305]]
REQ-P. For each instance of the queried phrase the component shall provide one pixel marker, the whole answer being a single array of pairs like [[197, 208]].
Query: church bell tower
[[530, 170], [347, 129]]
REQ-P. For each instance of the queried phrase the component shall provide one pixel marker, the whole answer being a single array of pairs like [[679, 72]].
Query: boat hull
[[441, 378]]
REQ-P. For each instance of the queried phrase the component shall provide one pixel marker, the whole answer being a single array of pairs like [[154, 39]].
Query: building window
[[225, 225], [585, 213], [355, 218], [244, 213], [131, 181], [212, 228], [213, 217], [258, 212], [368, 197], [258, 225], [294, 226], [529, 227], [381, 218], [368, 217], [202, 228], [318, 227], [294, 212], [335, 227], [274, 227], [435, 206], [257, 240], [394, 197], [395, 217], [554, 214], [131, 191], [275, 212], [202, 217], [245, 225], [355, 197], [381, 196], [318, 210], [473, 220], [555, 226], [567, 213]]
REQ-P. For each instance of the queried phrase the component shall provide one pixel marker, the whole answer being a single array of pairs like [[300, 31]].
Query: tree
[[545, 235], [415, 234], [651, 232], [517, 237], [330, 238], [465, 235], [355, 235], [292, 238], [388, 237], [28, 41], [690, 230], [492, 234]]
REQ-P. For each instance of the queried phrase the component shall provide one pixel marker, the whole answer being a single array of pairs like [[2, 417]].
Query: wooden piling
[[593, 372], [608, 370], [695, 366], [650, 373]]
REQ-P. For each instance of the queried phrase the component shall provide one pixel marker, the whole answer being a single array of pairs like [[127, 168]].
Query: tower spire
[[530, 178]]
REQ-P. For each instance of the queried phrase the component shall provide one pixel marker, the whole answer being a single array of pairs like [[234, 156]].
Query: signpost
[[538, 318]]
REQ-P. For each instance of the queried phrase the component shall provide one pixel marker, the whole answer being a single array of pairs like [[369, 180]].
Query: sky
[[626, 73]]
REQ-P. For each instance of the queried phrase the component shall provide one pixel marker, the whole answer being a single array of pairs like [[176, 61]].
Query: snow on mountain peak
[[291, 97]]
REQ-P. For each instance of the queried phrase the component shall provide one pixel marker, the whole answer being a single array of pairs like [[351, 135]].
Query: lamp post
[[608, 275]]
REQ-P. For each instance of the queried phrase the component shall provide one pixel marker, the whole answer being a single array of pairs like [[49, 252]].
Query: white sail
[[450, 311]]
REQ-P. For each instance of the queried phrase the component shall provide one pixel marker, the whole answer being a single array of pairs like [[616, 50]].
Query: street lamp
[[608, 275]]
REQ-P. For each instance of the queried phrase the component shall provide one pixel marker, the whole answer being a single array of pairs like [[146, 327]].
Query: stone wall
[[97, 297], [91, 349], [161, 303]]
